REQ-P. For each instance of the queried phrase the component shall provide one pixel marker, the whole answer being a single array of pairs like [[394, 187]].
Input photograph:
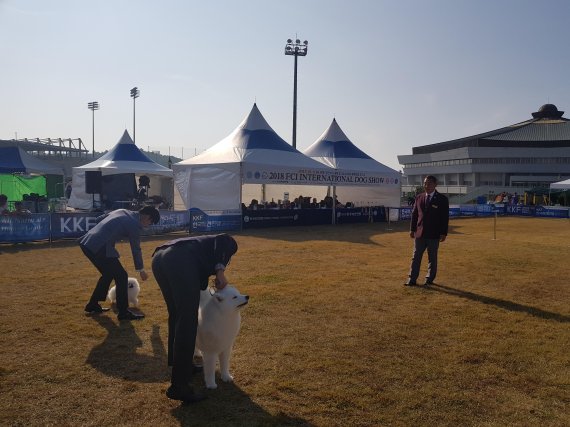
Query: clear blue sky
[[395, 74]]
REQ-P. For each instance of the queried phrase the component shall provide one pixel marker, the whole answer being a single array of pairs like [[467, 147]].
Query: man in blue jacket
[[98, 245]]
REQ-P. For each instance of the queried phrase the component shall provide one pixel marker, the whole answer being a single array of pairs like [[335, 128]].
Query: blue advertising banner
[[17, 229], [170, 221], [365, 214], [468, 210], [543, 211], [405, 214], [74, 225], [214, 220], [485, 210], [520, 210], [284, 217], [454, 211], [71, 225]]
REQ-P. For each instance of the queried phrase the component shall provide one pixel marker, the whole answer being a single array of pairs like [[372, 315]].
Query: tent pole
[[334, 205], [241, 196]]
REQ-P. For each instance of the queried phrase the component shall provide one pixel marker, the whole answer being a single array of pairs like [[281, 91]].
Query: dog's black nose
[[246, 297]]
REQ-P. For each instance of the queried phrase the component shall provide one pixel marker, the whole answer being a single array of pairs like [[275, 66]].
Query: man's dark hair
[[431, 178], [3, 198], [152, 212]]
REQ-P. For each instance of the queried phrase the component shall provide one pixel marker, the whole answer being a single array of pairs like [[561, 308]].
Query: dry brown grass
[[330, 338]]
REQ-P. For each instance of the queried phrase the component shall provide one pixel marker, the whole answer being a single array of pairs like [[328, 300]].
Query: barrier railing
[[57, 226], [262, 218], [405, 213]]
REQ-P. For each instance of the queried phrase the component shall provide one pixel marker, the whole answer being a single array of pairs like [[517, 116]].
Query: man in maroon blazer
[[430, 219]]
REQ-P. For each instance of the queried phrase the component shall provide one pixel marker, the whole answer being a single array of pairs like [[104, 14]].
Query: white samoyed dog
[[133, 292], [219, 321]]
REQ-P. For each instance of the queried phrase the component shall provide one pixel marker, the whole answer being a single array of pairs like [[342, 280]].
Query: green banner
[[15, 186]]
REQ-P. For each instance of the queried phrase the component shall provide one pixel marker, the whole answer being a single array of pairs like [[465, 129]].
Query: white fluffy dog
[[219, 321], [133, 291]]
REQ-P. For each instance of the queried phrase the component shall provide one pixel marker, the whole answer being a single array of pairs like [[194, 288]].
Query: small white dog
[[219, 321], [134, 289]]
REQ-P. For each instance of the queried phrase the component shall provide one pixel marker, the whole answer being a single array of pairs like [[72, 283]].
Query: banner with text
[[18, 229], [262, 174]]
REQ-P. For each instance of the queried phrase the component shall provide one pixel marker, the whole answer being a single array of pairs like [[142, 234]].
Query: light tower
[[296, 49]]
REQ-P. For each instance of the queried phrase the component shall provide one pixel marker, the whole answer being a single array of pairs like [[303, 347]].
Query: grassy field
[[330, 337]]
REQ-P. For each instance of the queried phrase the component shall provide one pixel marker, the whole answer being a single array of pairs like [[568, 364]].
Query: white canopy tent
[[378, 184], [124, 158], [560, 185], [252, 154]]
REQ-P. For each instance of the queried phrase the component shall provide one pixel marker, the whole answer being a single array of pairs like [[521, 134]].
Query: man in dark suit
[[182, 268], [430, 219]]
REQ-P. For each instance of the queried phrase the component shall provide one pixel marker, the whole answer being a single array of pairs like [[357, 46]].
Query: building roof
[[546, 129], [67, 145]]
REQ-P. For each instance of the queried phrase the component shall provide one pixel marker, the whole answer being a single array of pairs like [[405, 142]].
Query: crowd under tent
[[119, 170], [379, 184]]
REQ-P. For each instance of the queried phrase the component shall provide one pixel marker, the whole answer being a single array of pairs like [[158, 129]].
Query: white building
[[515, 158]]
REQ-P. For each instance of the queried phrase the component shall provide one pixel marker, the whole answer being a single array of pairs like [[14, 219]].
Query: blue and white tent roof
[[334, 149], [15, 160], [253, 141], [125, 157]]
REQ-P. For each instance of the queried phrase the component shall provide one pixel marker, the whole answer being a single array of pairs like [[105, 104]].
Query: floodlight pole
[[93, 106], [135, 92], [296, 49]]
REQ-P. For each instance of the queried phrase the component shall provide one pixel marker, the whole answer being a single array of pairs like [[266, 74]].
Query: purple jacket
[[430, 221]]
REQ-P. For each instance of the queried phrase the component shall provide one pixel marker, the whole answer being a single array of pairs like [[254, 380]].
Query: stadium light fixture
[[135, 92], [93, 106], [295, 49]]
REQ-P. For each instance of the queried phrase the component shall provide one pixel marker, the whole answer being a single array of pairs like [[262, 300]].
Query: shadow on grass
[[504, 304], [350, 233], [228, 405], [117, 355]]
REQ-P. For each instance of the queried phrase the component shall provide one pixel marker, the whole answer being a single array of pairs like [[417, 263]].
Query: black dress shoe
[[184, 393], [129, 315], [428, 282], [94, 308], [410, 283]]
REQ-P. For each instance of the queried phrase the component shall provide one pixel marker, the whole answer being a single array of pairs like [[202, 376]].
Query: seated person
[[141, 194], [20, 210], [4, 205]]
